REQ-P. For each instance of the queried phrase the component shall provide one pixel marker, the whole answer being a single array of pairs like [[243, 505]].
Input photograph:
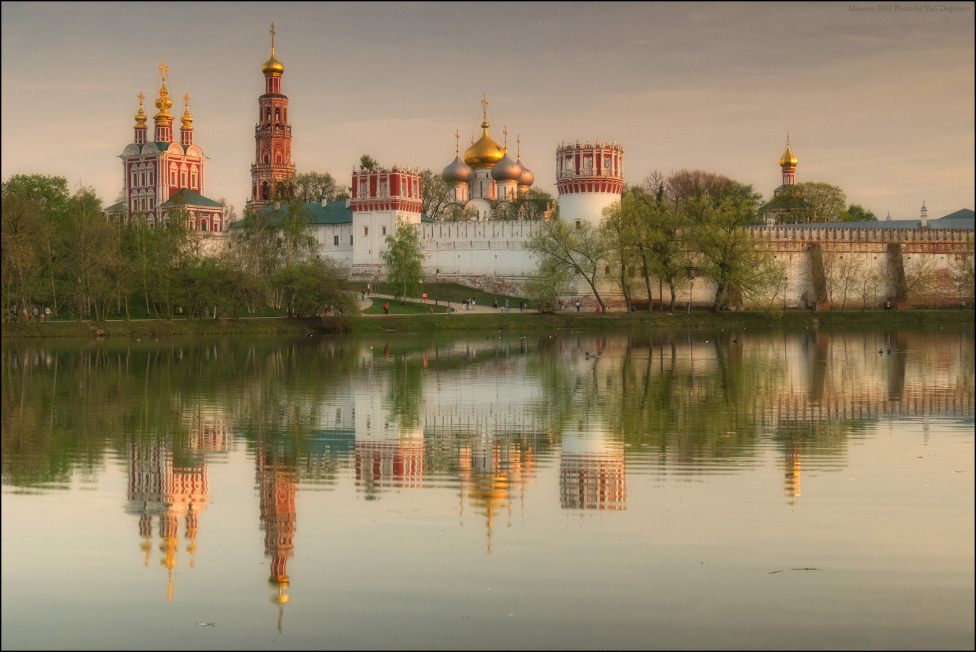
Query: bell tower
[[272, 170]]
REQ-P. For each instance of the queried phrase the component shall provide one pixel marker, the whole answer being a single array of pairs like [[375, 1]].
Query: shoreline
[[481, 320]]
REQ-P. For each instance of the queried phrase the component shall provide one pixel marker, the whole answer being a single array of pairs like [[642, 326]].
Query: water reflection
[[480, 415]]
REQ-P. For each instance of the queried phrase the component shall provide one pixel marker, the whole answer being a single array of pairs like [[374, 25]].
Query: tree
[[404, 259], [573, 251], [532, 204], [620, 229], [316, 186], [728, 254], [857, 213], [434, 195], [298, 241], [93, 260], [368, 162], [311, 287], [961, 270], [827, 203], [546, 285]]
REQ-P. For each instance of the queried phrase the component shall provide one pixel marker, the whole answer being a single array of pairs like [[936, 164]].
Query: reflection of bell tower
[[791, 484], [489, 472], [391, 459], [157, 488], [592, 474], [277, 484]]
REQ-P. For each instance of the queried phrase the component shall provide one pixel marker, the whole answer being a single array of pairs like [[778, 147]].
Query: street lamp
[[692, 273]]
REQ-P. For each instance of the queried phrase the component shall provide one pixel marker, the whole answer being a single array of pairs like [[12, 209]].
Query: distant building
[[272, 172], [160, 175], [787, 205]]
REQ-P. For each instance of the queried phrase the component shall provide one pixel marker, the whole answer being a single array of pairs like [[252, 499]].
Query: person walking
[[506, 305], [494, 303], [386, 308], [577, 305]]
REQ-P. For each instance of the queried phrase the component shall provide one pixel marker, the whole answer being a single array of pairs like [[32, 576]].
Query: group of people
[[37, 314]]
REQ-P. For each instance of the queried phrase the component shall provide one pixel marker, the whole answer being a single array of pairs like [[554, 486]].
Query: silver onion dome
[[458, 171], [527, 178], [506, 170]]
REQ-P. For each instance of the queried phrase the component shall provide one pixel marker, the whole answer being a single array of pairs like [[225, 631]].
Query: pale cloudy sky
[[880, 103]]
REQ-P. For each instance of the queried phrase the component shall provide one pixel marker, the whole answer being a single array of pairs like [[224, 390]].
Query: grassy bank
[[461, 321]]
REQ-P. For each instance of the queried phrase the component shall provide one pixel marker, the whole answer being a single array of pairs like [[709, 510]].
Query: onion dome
[[787, 159], [272, 66], [141, 116], [506, 169], [458, 171], [485, 152], [187, 120], [163, 102]]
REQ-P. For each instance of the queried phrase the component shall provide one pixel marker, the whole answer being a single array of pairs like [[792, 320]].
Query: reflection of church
[[277, 484], [159, 488], [491, 470]]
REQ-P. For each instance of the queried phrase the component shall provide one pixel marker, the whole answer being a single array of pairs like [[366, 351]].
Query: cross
[[141, 98], [505, 131], [457, 141], [518, 146], [163, 69], [484, 107], [186, 101], [272, 36]]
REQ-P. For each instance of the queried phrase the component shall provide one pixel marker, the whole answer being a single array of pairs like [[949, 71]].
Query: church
[[354, 230], [162, 175]]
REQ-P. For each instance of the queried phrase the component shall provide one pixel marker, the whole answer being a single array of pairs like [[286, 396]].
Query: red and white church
[[161, 175]]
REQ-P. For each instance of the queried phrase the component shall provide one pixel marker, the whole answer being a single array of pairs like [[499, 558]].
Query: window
[[350, 241], [203, 225], [335, 241], [384, 231], [579, 223], [277, 114], [365, 230]]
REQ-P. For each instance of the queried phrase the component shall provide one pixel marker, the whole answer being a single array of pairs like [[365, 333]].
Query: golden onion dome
[[787, 159], [272, 66], [186, 119], [484, 152], [506, 169], [141, 116], [163, 102], [458, 171]]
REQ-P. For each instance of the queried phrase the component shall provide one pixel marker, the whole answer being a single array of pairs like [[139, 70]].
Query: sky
[[877, 98]]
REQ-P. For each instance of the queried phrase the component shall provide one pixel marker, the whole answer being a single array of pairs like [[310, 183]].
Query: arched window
[[193, 177], [203, 225], [277, 114], [264, 190]]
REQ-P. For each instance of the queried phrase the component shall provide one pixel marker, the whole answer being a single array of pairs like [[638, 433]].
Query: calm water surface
[[695, 489]]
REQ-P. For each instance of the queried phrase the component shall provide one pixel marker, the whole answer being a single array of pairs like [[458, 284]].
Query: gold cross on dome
[[186, 100], [505, 131], [141, 98], [484, 107], [163, 69], [272, 36], [457, 142]]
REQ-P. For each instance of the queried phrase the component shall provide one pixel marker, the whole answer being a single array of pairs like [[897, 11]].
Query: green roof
[[191, 198], [334, 212]]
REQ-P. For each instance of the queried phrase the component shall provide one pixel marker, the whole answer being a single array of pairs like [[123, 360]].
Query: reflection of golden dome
[[787, 159], [485, 152]]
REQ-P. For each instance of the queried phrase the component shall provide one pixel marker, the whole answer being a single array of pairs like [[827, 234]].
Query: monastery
[[493, 254]]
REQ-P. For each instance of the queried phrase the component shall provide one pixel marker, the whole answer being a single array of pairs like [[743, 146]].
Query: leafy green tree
[[404, 259], [827, 203], [578, 251], [34, 210], [312, 287], [298, 241], [857, 213], [620, 228], [726, 253], [367, 162], [546, 285], [316, 186], [93, 260], [434, 195]]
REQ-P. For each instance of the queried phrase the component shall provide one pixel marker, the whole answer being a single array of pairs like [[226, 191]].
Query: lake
[[753, 488]]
